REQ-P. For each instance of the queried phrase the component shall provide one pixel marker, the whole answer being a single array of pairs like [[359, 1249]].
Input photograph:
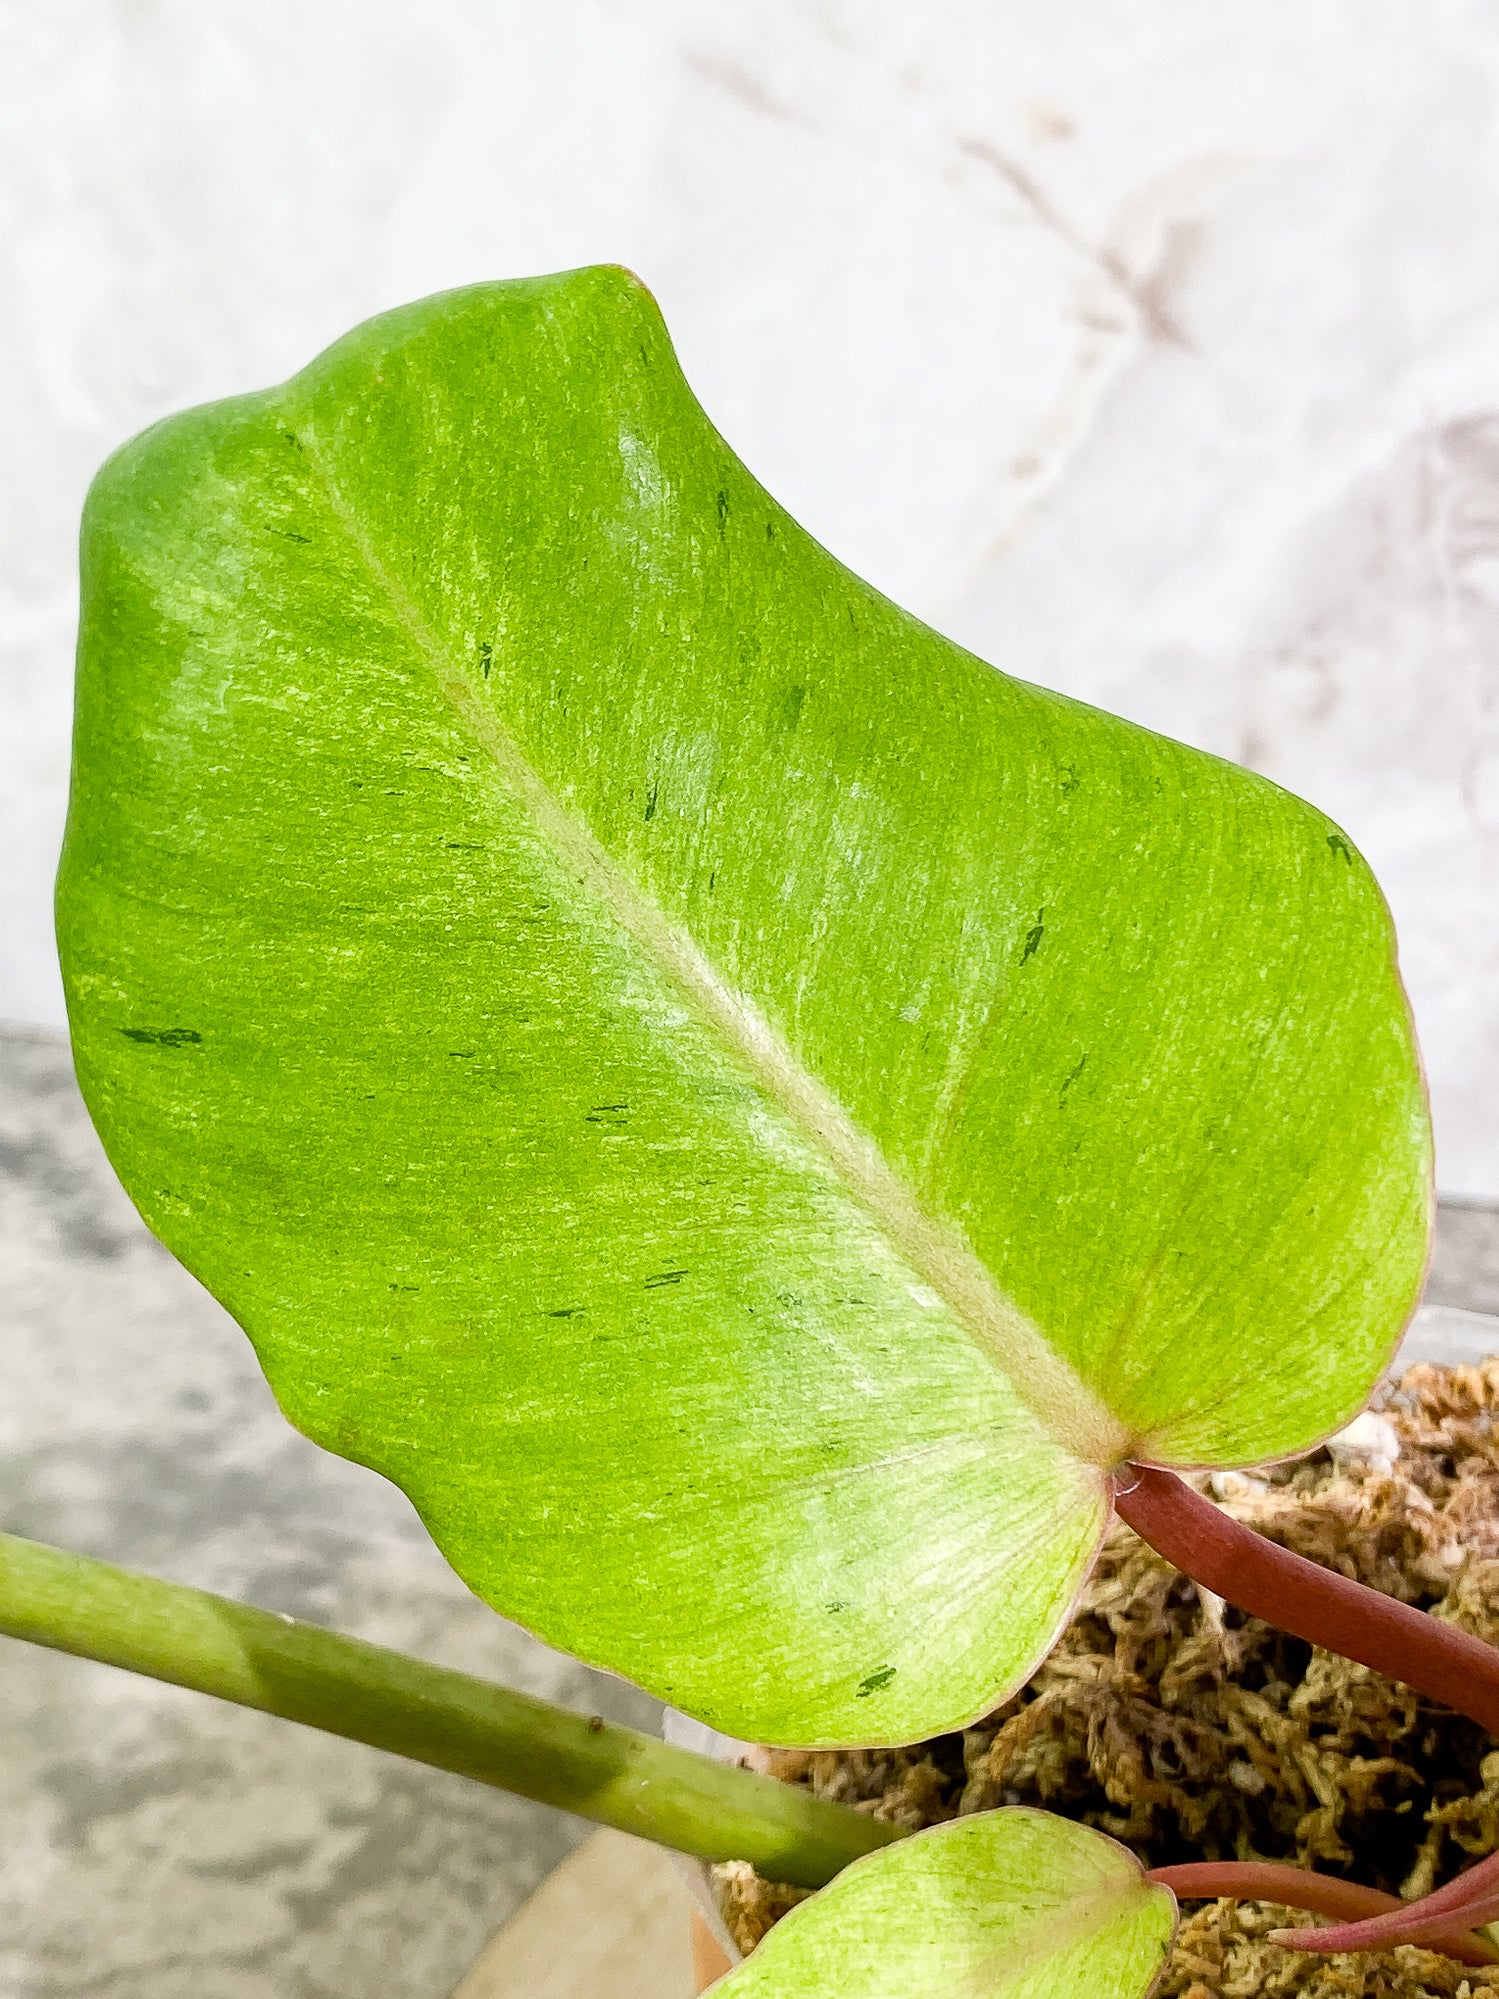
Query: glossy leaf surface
[[742, 1110], [1011, 1904]]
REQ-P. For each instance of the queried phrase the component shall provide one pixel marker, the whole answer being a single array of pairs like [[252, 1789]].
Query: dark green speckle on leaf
[[909, 1237]]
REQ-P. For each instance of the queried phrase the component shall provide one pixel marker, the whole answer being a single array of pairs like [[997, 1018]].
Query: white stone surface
[[1152, 350]]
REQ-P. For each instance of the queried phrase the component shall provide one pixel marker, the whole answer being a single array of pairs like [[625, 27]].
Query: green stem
[[450, 1720]]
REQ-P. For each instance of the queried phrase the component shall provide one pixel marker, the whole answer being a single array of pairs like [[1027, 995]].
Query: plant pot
[[1441, 1335], [710, 1957], [714, 1951]]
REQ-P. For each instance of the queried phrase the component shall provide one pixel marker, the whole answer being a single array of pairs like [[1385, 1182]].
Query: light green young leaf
[[742, 1110], [1011, 1904]]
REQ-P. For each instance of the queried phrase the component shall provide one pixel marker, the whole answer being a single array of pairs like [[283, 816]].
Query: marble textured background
[[1151, 350]]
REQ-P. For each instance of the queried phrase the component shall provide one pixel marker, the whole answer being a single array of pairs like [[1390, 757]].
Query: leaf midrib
[[1065, 1406], [1081, 1919]]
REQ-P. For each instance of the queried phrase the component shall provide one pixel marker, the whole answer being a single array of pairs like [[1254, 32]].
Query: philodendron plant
[[766, 1128]]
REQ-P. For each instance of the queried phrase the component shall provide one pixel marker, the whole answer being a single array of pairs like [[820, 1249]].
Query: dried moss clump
[[1191, 1732]]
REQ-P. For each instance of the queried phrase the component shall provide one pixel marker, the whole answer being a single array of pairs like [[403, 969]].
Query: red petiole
[[1343, 1902], [1472, 1898], [1307, 1600], [1345, 1617]]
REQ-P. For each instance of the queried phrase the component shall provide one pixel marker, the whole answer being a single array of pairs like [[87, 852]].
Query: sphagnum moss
[[1191, 1732]]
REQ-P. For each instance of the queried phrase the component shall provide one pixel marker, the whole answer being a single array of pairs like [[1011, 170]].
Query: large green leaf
[[1000, 1905], [745, 1112]]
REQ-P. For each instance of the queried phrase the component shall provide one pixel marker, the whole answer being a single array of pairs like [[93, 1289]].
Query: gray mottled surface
[[155, 1844], [1156, 365], [1465, 1269]]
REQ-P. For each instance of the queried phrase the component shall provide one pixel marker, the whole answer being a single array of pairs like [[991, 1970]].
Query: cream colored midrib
[[1059, 1398], [1082, 1918]]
